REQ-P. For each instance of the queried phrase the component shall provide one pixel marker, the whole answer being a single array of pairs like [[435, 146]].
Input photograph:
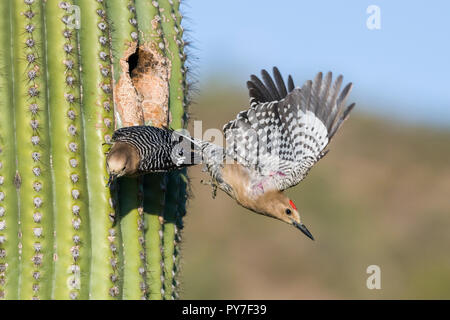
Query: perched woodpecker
[[276, 141], [138, 150]]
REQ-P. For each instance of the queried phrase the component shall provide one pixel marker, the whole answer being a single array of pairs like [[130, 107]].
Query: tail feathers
[[191, 146], [205, 152], [196, 142]]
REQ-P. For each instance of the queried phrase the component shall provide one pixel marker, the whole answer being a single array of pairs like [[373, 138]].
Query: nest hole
[[132, 61]]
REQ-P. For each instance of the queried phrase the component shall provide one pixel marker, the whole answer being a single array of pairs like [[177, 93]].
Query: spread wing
[[285, 132]]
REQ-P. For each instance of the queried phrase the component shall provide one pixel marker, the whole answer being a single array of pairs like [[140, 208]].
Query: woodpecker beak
[[303, 229], [111, 179]]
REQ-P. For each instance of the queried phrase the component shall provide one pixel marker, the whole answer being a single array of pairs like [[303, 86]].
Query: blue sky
[[400, 70]]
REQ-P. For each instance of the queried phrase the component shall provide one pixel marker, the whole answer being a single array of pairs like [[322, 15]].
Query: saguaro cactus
[[70, 73]]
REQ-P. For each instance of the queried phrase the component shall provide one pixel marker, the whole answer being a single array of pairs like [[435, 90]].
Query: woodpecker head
[[122, 160], [276, 205]]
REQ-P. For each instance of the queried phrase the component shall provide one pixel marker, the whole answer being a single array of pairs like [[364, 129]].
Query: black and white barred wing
[[247, 140], [255, 136], [289, 136]]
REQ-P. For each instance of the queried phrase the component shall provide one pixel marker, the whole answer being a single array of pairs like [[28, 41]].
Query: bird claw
[[214, 191], [111, 181], [212, 184]]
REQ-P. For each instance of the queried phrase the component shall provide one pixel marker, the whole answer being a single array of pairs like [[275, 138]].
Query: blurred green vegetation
[[381, 196]]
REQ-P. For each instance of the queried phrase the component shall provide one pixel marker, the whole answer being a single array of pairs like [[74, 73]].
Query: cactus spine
[[63, 90]]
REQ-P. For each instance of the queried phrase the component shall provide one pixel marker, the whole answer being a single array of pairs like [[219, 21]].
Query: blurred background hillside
[[380, 197]]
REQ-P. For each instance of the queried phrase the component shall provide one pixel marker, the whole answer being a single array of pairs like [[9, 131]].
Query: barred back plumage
[[160, 149]]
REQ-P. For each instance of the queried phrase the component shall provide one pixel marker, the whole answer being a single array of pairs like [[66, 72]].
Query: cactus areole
[[71, 72]]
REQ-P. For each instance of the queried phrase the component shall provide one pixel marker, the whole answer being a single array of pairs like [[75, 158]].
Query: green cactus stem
[[182, 176], [169, 13], [98, 120], [9, 229], [124, 34], [154, 201], [33, 157], [70, 192], [154, 185], [172, 50], [70, 73], [149, 24]]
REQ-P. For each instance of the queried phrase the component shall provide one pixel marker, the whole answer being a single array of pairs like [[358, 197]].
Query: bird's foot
[[214, 191], [212, 184], [206, 183]]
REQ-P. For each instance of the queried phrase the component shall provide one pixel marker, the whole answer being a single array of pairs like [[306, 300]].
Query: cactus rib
[[70, 190], [70, 73], [124, 35], [98, 126], [154, 185], [33, 158], [9, 257], [176, 99]]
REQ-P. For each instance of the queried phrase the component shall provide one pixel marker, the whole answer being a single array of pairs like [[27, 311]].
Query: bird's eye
[[123, 169], [180, 153], [288, 211]]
